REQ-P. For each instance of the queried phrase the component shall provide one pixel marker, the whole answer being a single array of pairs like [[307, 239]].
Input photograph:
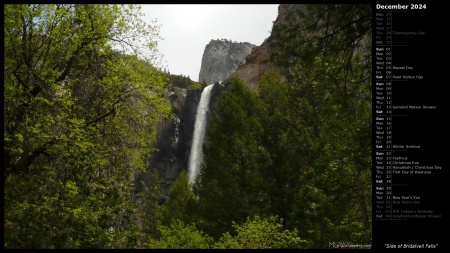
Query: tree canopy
[[285, 166], [82, 99], [299, 149]]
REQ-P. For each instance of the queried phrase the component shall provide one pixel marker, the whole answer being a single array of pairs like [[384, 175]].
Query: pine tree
[[180, 202], [149, 209], [229, 184], [325, 50]]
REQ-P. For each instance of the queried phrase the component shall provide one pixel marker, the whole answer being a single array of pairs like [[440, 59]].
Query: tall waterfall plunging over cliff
[[196, 154]]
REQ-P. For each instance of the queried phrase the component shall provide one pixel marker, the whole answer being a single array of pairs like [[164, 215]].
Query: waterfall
[[196, 154]]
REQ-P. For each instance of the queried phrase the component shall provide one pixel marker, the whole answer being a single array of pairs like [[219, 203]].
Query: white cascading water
[[196, 154]]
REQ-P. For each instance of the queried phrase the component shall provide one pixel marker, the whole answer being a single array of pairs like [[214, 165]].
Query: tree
[[260, 233], [180, 202], [150, 212], [204, 84], [249, 155], [229, 185], [195, 86], [283, 171], [181, 236], [325, 51], [82, 100], [299, 149]]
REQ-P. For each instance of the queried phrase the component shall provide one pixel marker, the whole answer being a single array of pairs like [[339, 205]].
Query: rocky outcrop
[[221, 58], [258, 61]]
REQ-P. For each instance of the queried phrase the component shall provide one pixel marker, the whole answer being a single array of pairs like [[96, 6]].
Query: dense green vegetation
[[329, 71], [286, 166], [300, 149], [184, 81], [81, 101]]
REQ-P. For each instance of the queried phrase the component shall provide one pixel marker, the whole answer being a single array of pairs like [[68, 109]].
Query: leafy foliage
[[229, 183], [301, 149], [181, 236], [180, 202], [149, 214], [328, 67], [247, 159], [258, 233], [179, 80], [80, 116], [195, 86], [82, 101]]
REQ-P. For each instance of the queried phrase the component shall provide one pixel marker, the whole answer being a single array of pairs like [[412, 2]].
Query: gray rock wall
[[174, 137], [221, 58]]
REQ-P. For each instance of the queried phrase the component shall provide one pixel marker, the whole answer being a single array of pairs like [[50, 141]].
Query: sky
[[187, 29]]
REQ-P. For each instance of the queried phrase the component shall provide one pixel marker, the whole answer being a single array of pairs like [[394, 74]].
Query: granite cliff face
[[258, 61], [221, 58]]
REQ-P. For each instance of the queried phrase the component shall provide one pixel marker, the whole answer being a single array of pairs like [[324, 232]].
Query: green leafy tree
[[195, 86], [260, 233], [81, 103], [180, 81], [181, 236]]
